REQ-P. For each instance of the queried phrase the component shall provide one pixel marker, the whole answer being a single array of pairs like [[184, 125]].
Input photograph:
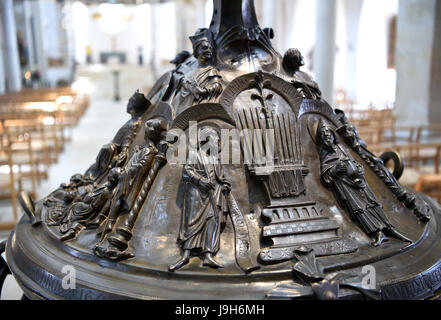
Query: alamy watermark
[[369, 279], [69, 280], [223, 145]]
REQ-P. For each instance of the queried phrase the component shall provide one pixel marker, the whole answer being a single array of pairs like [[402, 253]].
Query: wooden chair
[[32, 135], [430, 185], [8, 188], [18, 166]]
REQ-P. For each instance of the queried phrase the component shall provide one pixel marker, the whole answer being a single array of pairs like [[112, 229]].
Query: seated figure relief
[[93, 203], [71, 205], [59, 201], [84, 204], [116, 153], [197, 81]]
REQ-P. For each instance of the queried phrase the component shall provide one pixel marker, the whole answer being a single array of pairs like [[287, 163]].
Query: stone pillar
[[324, 51], [2, 73], [190, 16], [154, 37], [269, 14], [27, 28], [353, 15], [287, 13], [181, 25], [435, 86], [258, 4], [70, 40], [280, 25], [201, 13], [417, 62], [37, 26], [273, 17], [2, 69], [11, 58]]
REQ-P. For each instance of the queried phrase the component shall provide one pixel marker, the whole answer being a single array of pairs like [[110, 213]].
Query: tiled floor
[[98, 126]]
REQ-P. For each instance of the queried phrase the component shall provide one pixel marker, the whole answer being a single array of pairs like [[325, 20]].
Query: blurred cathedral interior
[[68, 68]]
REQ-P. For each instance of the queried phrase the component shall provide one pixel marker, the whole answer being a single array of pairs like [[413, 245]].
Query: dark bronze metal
[[346, 177], [296, 217], [350, 135], [4, 270], [325, 290]]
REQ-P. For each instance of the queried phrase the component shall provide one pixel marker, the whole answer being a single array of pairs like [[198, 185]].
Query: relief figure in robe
[[197, 80], [115, 154], [93, 203], [204, 206], [59, 201], [130, 179], [346, 178], [350, 135]]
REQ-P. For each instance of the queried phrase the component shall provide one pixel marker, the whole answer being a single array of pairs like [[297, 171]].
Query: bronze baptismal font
[[233, 179]]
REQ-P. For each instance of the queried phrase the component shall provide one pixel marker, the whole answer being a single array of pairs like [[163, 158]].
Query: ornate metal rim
[[29, 266]]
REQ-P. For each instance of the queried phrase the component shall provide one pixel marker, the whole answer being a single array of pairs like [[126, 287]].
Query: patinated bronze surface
[[302, 213]]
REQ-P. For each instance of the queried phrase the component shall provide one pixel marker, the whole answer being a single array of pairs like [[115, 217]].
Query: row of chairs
[[34, 126], [419, 146]]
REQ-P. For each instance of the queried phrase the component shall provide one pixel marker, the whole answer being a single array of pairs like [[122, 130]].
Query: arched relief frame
[[260, 81], [207, 114], [320, 108], [269, 81], [202, 112]]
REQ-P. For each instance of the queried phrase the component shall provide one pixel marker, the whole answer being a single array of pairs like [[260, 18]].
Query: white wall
[[415, 36], [135, 32], [50, 27], [371, 80], [375, 82], [2, 70], [294, 24]]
